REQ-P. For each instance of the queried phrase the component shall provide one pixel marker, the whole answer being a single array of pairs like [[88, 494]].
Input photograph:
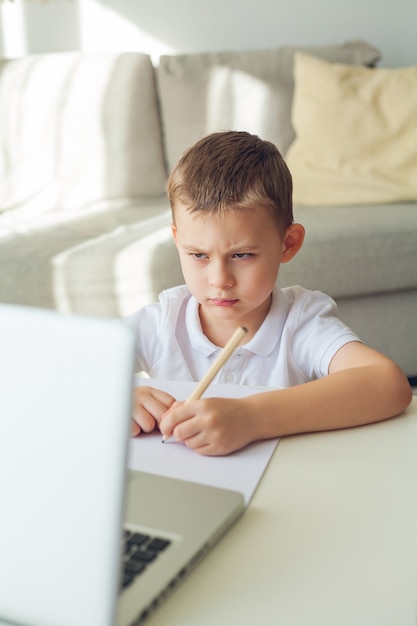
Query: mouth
[[223, 302]]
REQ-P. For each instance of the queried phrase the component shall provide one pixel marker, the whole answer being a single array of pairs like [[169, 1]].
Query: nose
[[220, 275]]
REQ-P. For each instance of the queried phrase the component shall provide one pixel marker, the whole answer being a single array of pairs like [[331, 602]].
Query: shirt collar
[[262, 344], [198, 339], [269, 334]]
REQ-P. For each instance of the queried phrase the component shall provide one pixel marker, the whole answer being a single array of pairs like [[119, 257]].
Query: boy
[[231, 200]]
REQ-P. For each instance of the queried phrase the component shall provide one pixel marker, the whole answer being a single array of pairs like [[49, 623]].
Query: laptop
[[83, 541]]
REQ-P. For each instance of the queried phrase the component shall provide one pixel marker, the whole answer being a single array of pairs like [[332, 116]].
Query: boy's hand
[[210, 426], [149, 404]]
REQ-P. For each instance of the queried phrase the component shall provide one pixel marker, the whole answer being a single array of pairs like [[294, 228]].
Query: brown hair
[[232, 170]]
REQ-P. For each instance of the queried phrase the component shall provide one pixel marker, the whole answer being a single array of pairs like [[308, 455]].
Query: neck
[[219, 331]]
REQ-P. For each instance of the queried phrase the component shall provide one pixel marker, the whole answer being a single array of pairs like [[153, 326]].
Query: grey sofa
[[86, 143]]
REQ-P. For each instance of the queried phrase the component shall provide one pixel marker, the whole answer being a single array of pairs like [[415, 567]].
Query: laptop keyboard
[[139, 551]]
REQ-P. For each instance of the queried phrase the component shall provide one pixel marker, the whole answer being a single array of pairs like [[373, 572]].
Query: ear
[[174, 232], [294, 237]]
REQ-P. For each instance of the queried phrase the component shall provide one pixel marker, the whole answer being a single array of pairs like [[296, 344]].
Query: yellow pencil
[[224, 355]]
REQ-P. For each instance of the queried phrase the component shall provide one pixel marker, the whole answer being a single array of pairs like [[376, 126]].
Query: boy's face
[[230, 264]]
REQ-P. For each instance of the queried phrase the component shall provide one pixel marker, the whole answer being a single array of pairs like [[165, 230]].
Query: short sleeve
[[317, 333]]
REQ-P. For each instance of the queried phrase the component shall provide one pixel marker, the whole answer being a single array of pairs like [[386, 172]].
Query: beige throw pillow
[[237, 90], [356, 133]]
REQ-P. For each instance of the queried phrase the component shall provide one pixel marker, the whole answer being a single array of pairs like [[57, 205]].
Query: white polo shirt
[[295, 343]]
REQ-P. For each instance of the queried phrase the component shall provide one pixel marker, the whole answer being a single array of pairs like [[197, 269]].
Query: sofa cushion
[[356, 133], [234, 90], [354, 251], [114, 261], [386, 322], [78, 128], [107, 262]]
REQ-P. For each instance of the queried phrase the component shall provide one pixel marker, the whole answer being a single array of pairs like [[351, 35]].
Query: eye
[[198, 255], [242, 255]]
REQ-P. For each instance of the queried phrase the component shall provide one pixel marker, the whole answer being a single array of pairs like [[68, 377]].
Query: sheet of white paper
[[240, 471]]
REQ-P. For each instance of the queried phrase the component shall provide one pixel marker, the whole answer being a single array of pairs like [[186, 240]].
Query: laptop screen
[[64, 424]]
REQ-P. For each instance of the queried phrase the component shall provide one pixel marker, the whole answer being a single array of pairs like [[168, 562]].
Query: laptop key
[[143, 556], [134, 567], [126, 580], [137, 539], [140, 550], [158, 544]]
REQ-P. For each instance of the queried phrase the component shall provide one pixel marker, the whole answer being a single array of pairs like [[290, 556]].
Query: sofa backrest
[[235, 90], [78, 128]]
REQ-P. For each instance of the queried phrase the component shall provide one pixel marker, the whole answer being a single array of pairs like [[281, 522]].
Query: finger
[[143, 418], [173, 416], [190, 432], [199, 443], [163, 397], [148, 405], [202, 444], [154, 407], [134, 429]]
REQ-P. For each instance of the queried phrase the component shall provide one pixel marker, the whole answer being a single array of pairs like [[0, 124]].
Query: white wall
[[165, 26]]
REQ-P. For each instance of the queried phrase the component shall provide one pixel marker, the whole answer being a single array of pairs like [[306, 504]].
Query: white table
[[330, 538]]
